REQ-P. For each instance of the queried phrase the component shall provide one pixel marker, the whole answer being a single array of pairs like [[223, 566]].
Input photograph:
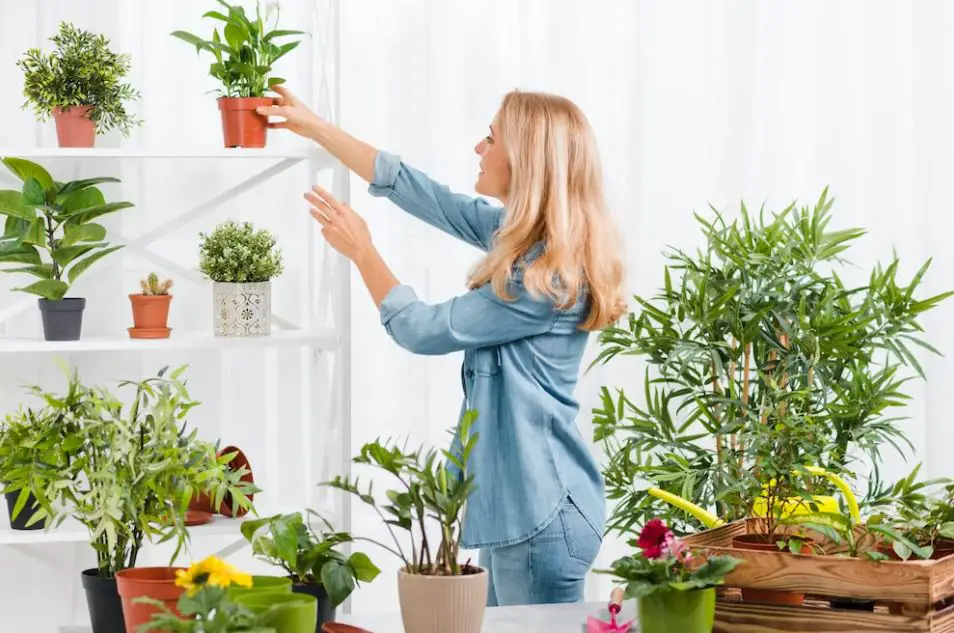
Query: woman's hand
[[297, 117], [345, 230]]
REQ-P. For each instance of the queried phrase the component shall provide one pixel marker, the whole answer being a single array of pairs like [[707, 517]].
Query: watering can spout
[[707, 518]]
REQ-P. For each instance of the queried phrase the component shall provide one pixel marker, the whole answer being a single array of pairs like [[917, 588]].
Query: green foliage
[[760, 360], [237, 253], [151, 286], [81, 71], [56, 218], [210, 610], [429, 490], [245, 50], [287, 541], [127, 473], [856, 540]]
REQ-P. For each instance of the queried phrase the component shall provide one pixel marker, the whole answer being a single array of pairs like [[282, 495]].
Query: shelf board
[[301, 152], [71, 531], [322, 338]]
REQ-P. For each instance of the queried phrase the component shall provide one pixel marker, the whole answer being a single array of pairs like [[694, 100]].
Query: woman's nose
[[479, 148]]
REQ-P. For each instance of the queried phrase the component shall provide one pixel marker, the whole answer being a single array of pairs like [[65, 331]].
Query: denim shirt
[[521, 363]]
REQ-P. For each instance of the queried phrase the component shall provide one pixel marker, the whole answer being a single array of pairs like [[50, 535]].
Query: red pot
[[242, 126], [203, 502], [74, 128], [153, 582], [759, 543]]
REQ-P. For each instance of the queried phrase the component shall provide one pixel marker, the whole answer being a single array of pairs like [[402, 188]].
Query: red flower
[[652, 540]]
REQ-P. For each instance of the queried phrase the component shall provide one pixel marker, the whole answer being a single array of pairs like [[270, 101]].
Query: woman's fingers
[[275, 110], [329, 199], [287, 97]]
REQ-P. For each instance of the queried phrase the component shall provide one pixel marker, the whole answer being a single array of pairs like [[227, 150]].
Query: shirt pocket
[[487, 361]]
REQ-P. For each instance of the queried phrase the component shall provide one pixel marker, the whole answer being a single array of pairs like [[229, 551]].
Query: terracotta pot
[[150, 316], [443, 604], [203, 502], [74, 128], [152, 582], [759, 543], [242, 126]]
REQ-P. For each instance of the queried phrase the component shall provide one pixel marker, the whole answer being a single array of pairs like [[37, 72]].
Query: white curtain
[[694, 102]]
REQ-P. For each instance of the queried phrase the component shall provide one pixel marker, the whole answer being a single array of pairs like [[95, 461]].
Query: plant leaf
[[84, 233], [11, 204], [80, 267], [25, 169], [85, 215], [52, 289], [36, 234]]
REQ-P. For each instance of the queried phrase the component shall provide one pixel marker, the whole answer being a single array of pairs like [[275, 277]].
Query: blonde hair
[[555, 198]]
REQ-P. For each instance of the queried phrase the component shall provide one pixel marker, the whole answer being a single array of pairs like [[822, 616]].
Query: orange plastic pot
[[74, 128], [150, 316], [153, 582], [242, 126], [203, 503]]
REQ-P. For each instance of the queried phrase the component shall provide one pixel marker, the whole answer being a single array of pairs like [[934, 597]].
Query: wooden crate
[[911, 596]]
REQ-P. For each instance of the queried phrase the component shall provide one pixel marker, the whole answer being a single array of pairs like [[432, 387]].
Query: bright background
[[694, 103]]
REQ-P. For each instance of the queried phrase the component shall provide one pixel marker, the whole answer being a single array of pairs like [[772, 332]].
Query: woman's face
[[494, 177]]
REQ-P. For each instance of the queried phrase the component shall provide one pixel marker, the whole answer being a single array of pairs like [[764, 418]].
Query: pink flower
[[677, 549], [654, 538]]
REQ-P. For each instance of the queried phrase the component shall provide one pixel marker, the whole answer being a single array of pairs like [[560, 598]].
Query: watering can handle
[[616, 601]]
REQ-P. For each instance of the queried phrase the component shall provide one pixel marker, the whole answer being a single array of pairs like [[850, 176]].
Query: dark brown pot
[[74, 128], [760, 543], [242, 126], [203, 503]]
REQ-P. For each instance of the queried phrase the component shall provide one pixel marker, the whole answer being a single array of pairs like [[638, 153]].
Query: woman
[[552, 273]]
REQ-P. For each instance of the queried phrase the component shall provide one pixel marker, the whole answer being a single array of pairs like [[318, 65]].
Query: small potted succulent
[[244, 52], [81, 85], [309, 559], [674, 587], [57, 218], [437, 593], [240, 261], [150, 308]]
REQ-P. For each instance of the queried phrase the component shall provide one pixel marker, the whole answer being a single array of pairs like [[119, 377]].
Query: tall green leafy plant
[[81, 71], [55, 218], [245, 50], [754, 336]]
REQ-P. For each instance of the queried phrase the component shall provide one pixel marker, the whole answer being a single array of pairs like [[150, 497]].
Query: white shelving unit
[[325, 410]]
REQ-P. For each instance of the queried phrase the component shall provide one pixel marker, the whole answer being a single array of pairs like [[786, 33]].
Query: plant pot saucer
[[161, 332]]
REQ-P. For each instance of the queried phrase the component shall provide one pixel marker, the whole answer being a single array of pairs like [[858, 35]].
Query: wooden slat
[[942, 578], [943, 621], [740, 617], [717, 537]]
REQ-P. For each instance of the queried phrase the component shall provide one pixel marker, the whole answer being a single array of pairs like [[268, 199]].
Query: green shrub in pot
[[30, 448], [55, 218]]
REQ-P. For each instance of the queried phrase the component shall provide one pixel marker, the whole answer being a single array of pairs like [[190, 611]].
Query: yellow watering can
[[825, 503]]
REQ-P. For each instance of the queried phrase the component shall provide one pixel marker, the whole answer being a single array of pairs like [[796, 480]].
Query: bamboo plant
[[760, 363]]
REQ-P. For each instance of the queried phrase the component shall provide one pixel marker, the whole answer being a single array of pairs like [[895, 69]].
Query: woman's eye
[[489, 139]]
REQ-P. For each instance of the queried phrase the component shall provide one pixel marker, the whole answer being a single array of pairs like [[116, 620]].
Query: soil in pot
[[74, 127], [443, 604], [102, 599], [326, 613], [296, 613], [63, 319], [26, 512], [203, 502], [154, 582], [761, 543], [150, 316], [242, 126]]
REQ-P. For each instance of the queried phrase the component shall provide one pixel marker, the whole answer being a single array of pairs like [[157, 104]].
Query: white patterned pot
[[242, 309]]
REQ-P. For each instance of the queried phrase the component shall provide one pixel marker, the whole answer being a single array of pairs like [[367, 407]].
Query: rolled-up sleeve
[[473, 220], [476, 319]]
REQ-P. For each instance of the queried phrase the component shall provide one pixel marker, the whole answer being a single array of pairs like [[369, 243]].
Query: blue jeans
[[550, 567]]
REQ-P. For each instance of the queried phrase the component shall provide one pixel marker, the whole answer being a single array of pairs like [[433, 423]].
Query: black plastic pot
[[26, 513], [104, 603], [63, 319], [326, 613]]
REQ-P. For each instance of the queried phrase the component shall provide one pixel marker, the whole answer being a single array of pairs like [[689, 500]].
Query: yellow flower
[[210, 571]]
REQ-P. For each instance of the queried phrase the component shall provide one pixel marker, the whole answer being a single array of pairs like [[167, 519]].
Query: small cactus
[[152, 286]]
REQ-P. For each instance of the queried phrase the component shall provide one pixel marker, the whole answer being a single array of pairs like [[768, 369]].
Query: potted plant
[[235, 462], [130, 473], [245, 52], [29, 444], [240, 261], [309, 559], [674, 588], [437, 593], [57, 218], [150, 308], [81, 84], [756, 332]]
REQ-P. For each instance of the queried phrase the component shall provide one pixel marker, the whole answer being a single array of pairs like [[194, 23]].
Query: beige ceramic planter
[[442, 604]]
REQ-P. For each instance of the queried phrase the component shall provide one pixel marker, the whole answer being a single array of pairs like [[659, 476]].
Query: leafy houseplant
[[57, 218], [757, 345], [81, 84], [437, 593], [309, 558], [241, 261], [29, 442], [245, 52], [675, 588], [150, 308], [129, 474]]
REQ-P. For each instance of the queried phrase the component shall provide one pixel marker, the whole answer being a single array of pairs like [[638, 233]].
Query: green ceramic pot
[[272, 584], [292, 613], [677, 612]]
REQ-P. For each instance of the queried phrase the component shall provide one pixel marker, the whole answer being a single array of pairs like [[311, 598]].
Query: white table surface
[[554, 618]]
